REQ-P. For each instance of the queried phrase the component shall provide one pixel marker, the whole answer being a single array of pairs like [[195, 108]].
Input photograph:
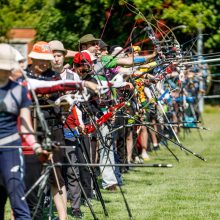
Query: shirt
[[13, 97]]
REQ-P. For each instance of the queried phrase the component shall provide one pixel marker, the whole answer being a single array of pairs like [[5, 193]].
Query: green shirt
[[109, 61]]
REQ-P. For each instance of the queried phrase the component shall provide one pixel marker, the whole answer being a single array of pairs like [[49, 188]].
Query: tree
[[68, 20], [19, 13]]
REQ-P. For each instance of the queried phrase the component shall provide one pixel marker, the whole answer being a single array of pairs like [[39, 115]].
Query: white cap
[[116, 50], [7, 57]]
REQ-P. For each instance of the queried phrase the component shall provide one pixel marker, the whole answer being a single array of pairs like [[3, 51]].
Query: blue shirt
[[13, 97]]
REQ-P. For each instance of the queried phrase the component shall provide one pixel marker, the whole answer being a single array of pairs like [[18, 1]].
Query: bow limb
[[90, 128]]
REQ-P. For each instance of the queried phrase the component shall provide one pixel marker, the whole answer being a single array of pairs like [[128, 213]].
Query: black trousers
[[82, 151], [33, 172]]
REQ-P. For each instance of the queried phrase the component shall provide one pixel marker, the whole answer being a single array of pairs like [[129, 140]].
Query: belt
[[9, 139]]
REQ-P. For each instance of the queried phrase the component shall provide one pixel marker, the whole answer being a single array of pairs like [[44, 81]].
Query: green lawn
[[189, 190]]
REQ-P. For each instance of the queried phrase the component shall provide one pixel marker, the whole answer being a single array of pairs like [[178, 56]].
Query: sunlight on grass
[[190, 190]]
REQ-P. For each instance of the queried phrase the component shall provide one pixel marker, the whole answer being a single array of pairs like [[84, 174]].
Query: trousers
[[107, 157], [11, 175]]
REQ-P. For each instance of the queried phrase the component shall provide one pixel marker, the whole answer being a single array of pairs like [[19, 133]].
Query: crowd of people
[[94, 105]]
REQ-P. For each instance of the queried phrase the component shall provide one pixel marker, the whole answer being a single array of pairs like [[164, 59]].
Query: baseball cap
[[82, 57], [92, 57], [57, 45], [7, 57], [136, 48], [115, 50], [41, 51]]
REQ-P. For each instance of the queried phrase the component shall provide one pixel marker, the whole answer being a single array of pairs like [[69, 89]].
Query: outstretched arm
[[27, 128]]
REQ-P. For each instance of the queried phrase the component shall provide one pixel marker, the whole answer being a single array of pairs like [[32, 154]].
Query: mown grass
[[190, 190]]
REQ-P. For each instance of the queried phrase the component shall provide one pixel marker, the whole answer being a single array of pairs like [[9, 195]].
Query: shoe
[[77, 214], [145, 156], [156, 148], [138, 160], [112, 188]]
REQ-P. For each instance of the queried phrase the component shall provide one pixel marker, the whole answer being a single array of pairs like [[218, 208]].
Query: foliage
[[68, 20], [19, 13]]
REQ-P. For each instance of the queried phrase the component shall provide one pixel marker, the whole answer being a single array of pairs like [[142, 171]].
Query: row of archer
[[105, 98]]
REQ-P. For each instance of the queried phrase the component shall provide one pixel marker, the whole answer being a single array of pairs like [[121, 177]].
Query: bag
[[189, 122]]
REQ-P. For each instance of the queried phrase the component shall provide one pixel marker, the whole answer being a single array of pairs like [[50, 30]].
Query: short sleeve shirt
[[13, 97], [109, 61]]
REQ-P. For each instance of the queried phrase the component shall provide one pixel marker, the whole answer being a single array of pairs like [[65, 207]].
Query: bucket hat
[[7, 57], [57, 45], [41, 51], [87, 38]]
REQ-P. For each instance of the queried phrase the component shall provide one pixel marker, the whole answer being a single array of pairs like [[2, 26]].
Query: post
[[200, 58]]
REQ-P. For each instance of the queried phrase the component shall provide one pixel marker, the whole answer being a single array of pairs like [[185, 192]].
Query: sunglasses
[[81, 64], [93, 43]]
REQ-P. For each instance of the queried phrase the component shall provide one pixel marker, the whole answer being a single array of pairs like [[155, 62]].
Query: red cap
[[82, 57]]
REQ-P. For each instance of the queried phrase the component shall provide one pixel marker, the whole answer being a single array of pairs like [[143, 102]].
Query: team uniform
[[13, 97]]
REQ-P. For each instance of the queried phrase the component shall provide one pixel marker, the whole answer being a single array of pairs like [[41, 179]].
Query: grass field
[[189, 190]]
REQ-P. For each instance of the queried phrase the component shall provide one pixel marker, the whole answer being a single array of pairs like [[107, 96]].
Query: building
[[22, 40]]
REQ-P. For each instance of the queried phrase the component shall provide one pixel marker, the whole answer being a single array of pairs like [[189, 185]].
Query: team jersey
[[13, 97]]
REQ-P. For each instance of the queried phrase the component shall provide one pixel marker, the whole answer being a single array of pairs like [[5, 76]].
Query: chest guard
[[10, 100]]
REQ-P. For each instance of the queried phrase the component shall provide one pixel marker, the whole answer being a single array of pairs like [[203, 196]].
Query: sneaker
[[138, 160], [145, 156], [156, 148], [77, 214]]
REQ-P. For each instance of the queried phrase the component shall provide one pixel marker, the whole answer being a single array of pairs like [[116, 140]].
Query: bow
[[90, 128]]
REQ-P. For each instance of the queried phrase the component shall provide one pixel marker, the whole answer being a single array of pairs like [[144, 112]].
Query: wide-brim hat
[[87, 38], [7, 65], [38, 56], [102, 44], [7, 57], [56, 45], [41, 51]]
